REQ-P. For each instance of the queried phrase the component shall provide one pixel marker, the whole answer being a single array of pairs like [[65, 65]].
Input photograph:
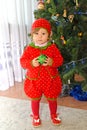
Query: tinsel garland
[[80, 13], [73, 64], [78, 93]]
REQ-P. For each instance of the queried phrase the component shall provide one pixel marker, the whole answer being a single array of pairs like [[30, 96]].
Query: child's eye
[[43, 33], [36, 33]]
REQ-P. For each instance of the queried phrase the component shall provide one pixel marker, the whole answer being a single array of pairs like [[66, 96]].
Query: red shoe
[[36, 121], [55, 119]]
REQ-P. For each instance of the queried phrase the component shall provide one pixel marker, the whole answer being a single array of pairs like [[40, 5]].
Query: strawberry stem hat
[[41, 23]]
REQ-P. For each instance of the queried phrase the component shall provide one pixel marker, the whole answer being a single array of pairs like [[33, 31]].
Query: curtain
[[16, 17]]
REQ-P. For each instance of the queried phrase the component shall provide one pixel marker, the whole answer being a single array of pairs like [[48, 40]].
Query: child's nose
[[40, 35]]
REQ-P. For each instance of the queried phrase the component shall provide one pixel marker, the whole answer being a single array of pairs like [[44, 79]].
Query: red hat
[[42, 23]]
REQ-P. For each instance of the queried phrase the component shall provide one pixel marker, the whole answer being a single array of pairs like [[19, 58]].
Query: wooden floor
[[17, 92]]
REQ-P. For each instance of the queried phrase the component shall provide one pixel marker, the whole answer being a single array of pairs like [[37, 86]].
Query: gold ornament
[[41, 5], [77, 4], [63, 40], [48, 1], [71, 17], [65, 13], [80, 34], [57, 15]]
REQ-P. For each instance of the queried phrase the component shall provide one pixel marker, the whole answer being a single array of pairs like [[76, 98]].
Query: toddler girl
[[41, 58]]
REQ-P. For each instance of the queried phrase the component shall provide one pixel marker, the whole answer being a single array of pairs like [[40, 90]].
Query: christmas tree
[[69, 26]]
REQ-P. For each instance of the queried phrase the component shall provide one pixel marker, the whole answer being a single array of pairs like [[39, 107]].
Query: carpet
[[14, 115]]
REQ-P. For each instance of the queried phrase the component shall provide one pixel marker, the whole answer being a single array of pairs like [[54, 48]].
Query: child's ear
[[51, 33], [50, 36]]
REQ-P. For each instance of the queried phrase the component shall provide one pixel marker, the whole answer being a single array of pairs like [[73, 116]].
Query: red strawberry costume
[[42, 79]]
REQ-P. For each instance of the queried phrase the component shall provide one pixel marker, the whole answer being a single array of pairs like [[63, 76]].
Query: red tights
[[35, 105]]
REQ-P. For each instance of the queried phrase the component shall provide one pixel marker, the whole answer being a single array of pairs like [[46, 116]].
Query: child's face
[[41, 36]]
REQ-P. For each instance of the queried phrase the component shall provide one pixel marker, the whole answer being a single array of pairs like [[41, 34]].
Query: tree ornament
[[82, 61], [64, 13], [73, 64], [53, 41], [69, 81], [77, 4], [71, 17], [57, 23], [55, 17], [48, 1], [80, 34], [41, 5], [42, 58], [63, 40]]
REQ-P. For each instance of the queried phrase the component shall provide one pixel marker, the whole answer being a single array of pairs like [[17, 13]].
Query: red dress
[[42, 79]]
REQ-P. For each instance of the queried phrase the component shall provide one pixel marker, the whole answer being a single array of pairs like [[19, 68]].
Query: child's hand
[[35, 62], [48, 61]]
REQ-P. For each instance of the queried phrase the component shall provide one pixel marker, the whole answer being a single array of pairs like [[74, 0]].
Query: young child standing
[[41, 59]]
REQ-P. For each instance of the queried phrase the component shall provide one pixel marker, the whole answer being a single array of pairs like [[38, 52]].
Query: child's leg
[[52, 106], [53, 112], [35, 104]]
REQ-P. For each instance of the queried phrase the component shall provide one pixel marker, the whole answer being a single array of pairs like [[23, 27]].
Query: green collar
[[33, 45]]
